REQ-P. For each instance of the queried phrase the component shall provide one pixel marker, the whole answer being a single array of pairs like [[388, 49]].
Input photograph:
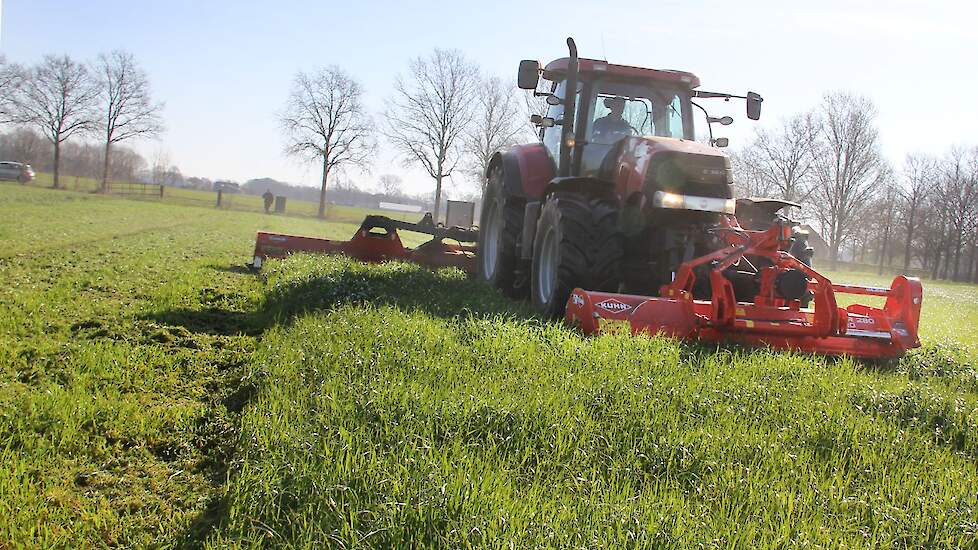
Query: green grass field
[[155, 393], [208, 199]]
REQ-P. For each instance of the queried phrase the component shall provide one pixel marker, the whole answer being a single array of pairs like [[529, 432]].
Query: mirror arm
[[709, 125], [707, 95]]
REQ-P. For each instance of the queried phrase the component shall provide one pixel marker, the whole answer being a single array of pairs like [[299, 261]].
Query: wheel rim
[[547, 270], [490, 248]]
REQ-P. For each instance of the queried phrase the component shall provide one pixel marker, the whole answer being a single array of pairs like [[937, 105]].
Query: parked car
[[16, 171], [227, 186]]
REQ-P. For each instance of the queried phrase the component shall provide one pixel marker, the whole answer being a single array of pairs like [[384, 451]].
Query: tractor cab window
[[615, 117], [619, 110], [551, 136], [674, 117]]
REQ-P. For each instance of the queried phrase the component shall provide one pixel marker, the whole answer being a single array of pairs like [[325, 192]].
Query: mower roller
[[618, 218]]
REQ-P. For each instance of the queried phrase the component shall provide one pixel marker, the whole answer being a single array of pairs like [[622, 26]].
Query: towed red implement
[[377, 240], [770, 319]]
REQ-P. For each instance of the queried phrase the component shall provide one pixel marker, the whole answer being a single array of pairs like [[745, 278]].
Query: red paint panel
[[536, 168]]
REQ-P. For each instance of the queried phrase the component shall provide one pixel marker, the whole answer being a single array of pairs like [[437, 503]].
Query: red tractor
[[616, 195], [618, 219]]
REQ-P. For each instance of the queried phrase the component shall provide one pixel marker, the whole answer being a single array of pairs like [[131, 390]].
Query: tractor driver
[[612, 127]]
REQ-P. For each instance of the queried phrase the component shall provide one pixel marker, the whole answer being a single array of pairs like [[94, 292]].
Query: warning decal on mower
[[614, 306]]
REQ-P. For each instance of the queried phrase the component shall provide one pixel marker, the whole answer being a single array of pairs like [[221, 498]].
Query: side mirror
[[529, 75], [754, 105], [721, 142], [554, 100], [544, 121]]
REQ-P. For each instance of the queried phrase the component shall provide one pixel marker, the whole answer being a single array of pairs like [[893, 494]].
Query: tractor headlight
[[668, 200], [675, 201]]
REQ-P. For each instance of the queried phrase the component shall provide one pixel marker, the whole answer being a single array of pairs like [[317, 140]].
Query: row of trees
[[922, 214], [443, 114], [61, 98], [77, 158]]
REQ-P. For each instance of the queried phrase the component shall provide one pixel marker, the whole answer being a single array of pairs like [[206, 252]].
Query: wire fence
[[143, 190]]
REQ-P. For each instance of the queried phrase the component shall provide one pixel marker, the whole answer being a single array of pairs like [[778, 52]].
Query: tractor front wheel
[[578, 244]]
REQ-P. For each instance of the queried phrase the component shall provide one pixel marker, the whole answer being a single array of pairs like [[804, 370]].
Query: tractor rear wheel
[[500, 227], [578, 244]]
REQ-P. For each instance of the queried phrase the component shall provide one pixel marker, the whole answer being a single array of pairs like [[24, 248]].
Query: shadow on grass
[[293, 289], [236, 269], [445, 294]]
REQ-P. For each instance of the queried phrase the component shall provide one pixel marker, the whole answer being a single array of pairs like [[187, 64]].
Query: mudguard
[[527, 169]]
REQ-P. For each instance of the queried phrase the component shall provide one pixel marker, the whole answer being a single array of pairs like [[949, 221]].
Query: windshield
[[620, 109]]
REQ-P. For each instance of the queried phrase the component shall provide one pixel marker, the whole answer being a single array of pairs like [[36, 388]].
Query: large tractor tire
[[500, 228], [578, 244]]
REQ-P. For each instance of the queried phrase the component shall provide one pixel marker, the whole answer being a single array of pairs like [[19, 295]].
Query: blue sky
[[224, 67]]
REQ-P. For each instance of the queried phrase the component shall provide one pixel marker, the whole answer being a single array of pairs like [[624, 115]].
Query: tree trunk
[[946, 272], [957, 256], [937, 255], [886, 241], [322, 190], [906, 248], [970, 263], [438, 179], [974, 278], [105, 168], [57, 162], [834, 252]]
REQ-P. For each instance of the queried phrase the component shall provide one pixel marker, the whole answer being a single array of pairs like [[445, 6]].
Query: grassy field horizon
[[242, 202], [155, 393]]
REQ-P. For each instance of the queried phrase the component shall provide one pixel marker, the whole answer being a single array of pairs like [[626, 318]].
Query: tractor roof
[[559, 66]]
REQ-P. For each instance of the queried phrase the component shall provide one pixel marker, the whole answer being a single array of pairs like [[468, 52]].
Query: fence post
[[219, 191], [161, 190]]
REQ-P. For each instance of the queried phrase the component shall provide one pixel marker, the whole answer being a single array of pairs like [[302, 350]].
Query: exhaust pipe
[[570, 105]]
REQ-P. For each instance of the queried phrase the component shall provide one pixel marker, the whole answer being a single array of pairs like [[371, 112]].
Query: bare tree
[[959, 195], [324, 121], [534, 104], [161, 164], [57, 97], [784, 158], [885, 213], [430, 112], [848, 165], [390, 184], [128, 110], [11, 77], [749, 179], [25, 145], [918, 179], [126, 163], [498, 123]]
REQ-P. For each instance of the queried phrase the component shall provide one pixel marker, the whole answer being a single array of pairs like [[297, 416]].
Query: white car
[[16, 171]]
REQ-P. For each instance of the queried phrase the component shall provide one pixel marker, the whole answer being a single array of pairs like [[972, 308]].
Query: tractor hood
[[651, 164]]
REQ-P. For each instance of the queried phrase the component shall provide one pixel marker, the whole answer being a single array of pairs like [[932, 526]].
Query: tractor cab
[[614, 102]]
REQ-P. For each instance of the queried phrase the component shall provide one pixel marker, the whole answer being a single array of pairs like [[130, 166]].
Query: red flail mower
[[619, 219], [774, 318]]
